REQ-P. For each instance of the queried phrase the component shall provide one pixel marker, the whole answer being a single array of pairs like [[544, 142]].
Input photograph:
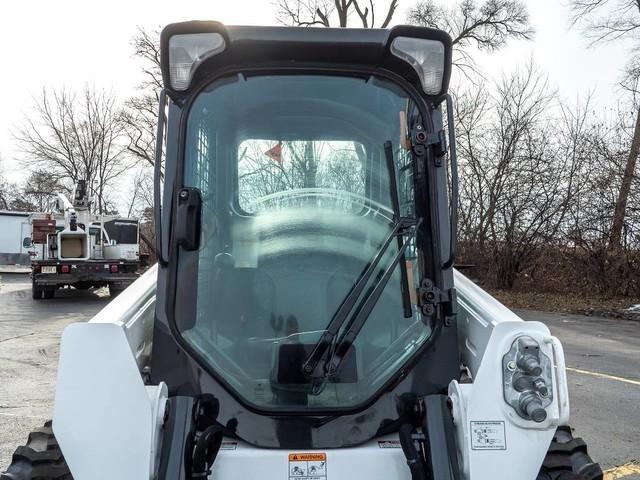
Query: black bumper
[[97, 278]]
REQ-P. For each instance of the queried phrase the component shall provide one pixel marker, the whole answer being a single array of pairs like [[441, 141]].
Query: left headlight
[[187, 51]]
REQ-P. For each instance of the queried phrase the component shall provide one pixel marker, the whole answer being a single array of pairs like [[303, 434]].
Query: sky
[[72, 43]]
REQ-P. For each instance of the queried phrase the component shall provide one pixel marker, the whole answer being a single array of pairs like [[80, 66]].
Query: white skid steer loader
[[305, 320]]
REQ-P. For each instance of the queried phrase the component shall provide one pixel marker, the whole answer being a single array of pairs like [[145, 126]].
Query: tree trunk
[[615, 235], [310, 166]]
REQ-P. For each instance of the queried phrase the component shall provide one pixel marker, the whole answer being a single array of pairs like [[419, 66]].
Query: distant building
[[15, 238]]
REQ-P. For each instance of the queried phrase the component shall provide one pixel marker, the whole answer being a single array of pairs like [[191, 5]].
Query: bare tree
[[141, 111], [539, 183], [76, 137], [298, 164], [328, 13], [11, 198], [606, 19], [604, 143], [611, 20], [5, 190], [486, 25], [140, 193], [41, 189], [515, 187]]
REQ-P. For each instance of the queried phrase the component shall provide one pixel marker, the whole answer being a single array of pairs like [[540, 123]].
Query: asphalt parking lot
[[603, 356], [603, 363], [29, 336]]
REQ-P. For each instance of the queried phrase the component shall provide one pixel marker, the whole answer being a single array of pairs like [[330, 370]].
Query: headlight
[[527, 380], [187, 51], [426, 57]]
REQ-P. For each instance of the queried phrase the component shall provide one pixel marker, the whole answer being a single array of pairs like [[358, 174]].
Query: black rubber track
[[568, 459], [39, 459]]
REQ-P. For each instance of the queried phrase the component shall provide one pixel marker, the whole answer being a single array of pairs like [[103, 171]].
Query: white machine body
[[109, 423], [493, 440], [126, 251]]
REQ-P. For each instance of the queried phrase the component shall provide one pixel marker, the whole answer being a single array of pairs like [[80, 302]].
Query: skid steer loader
[[305, 320]]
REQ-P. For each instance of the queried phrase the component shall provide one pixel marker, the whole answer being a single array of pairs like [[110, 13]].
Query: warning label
[[488, 436], [308, 466]]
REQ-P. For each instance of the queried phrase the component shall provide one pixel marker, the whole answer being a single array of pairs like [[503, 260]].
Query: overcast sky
[[72, 43]]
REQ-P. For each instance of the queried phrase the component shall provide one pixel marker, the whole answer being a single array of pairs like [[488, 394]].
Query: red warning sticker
[[308, 466]]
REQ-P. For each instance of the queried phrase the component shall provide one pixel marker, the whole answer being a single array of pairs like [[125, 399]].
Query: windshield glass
[[296, 204]]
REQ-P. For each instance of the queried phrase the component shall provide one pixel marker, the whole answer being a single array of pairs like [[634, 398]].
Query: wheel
[[36, 292], [114, 291], [41, 459], [568, 459], [49, 294]]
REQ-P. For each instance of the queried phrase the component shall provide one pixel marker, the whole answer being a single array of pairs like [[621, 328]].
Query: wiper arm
[[316, 365], [310, 366], [332, 365], [339, 318]]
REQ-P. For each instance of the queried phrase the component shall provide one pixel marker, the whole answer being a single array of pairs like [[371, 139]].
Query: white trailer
[[15, 238]]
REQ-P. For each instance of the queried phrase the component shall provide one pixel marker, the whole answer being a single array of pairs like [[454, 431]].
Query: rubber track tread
[[40, 459], [577, 444], [568, 459]]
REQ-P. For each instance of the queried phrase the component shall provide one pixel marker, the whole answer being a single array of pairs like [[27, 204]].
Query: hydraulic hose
[[205, 452], [414, 460]]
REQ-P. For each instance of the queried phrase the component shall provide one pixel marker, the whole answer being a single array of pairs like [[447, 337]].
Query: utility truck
[[80, 249], [305, 320]]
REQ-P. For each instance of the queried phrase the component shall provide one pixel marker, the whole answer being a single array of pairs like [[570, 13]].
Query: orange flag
[[275, 153]]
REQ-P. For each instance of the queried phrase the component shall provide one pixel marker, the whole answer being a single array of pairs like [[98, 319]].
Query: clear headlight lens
[[426, 57], [187, 51]]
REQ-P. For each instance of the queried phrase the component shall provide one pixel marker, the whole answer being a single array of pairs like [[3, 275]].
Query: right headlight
[[426, 57]]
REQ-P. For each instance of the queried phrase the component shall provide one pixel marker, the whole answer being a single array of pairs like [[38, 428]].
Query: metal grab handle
[[157, 174], [453, 160], [562, 394]]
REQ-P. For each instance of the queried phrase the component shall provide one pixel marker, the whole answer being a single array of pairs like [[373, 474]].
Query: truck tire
[[49, 293], [36, 292], [40, 459], [114, 290], [568, 459]]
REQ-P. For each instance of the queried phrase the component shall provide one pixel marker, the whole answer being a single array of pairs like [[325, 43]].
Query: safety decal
[[488, 436], [307, 466]]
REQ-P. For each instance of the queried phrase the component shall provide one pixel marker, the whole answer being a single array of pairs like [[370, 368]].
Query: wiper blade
[[333, 363], [395, 202], [339, 318], [317, 366], [314, 366]]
